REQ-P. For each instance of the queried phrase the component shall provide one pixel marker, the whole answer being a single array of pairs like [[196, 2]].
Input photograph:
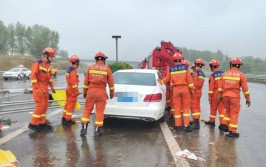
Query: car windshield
[[15, 70], [134, 78]]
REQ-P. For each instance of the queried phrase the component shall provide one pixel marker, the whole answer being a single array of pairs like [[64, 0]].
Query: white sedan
[[17, 73], [138, 95]]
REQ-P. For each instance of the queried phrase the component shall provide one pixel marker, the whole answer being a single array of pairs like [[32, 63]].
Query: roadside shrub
[[119, 66]]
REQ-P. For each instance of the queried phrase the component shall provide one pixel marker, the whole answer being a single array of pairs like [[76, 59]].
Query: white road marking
[[173, 146], [24, 128]]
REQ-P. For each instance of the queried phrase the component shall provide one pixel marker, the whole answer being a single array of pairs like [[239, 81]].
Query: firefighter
[[40, 79], [179, 76], [97, 76], [229, 90], [72, 90], [198, 79], [214, 80]]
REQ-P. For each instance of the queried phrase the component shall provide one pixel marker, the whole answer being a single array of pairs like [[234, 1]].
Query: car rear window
[[134, 78]]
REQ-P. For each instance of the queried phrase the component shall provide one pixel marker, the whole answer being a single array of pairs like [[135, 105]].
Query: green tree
[[21, 40], [11, 38], [3, 38], [63, 54], [119, 66]]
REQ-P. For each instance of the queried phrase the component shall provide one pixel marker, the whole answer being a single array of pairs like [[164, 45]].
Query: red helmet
[[185, 62], [214, 63], [236, 61], [50, 51], [177, 56], [100, 55], [200, 62], [74, 58]]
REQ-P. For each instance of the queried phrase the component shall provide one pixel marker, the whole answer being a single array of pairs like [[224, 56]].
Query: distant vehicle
[[17, 73], [53, 71], [138, 95]]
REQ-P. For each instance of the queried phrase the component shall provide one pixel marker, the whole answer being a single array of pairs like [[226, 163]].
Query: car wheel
[[19, 77], [5, 78]]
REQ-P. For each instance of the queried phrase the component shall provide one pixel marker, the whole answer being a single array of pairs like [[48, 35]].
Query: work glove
[[220, 98], [84, 95], [53, 90], [111, 95], [248, 103], [210, 99]]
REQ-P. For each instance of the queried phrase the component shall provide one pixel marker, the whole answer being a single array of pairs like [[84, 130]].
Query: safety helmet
[[50, 51], [236, 61], [100, 55], [199, 62], [74, 59], [214, 63], [185, 62], [177, 57]]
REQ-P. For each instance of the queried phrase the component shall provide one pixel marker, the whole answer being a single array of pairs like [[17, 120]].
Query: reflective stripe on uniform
[[196, 113], [247, 92], [112, 88], [74, 86], [231, 78], [212, 116], [185, 115], [85, 119], [36, 116], [67, 73], [168, 101], [43, 115], [201, 77], [34, 81], [221, 116], [44, 69], [218, 78], [64, 111], [177, 116], [190, 85], [210, 92], [68, 113], [179, 72], [220, 89], [99, 122], [85, 86], [233, 125], [51, 80], [226, 118], [97, 72]]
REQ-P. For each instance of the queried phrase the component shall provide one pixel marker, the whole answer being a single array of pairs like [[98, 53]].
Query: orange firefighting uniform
[[179, 76], [97, 76], [198, 79], [232, 80], [72, 92], [215, 104], [40, 79]]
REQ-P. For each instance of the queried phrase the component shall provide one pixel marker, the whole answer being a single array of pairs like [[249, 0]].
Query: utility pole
[[116, 37]]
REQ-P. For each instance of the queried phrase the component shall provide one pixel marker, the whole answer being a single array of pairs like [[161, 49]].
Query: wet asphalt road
[[137, 143]]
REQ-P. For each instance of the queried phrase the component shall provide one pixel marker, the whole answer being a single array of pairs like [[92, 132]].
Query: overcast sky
[[236, 27]]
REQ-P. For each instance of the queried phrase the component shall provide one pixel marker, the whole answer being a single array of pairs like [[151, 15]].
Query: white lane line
[[173, 146], [24, 128]]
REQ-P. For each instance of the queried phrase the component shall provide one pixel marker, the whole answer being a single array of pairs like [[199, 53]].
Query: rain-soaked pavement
[[137, 143]]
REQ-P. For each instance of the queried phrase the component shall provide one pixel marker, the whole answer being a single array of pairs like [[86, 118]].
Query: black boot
[[68, 123], [210, 123], [35, 128], [168, 109], [98, 131], [178, 128], [188, 128], [196, 124], [231, 134], [83, 130], [63, 120], [223, 127], [45, 127]]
